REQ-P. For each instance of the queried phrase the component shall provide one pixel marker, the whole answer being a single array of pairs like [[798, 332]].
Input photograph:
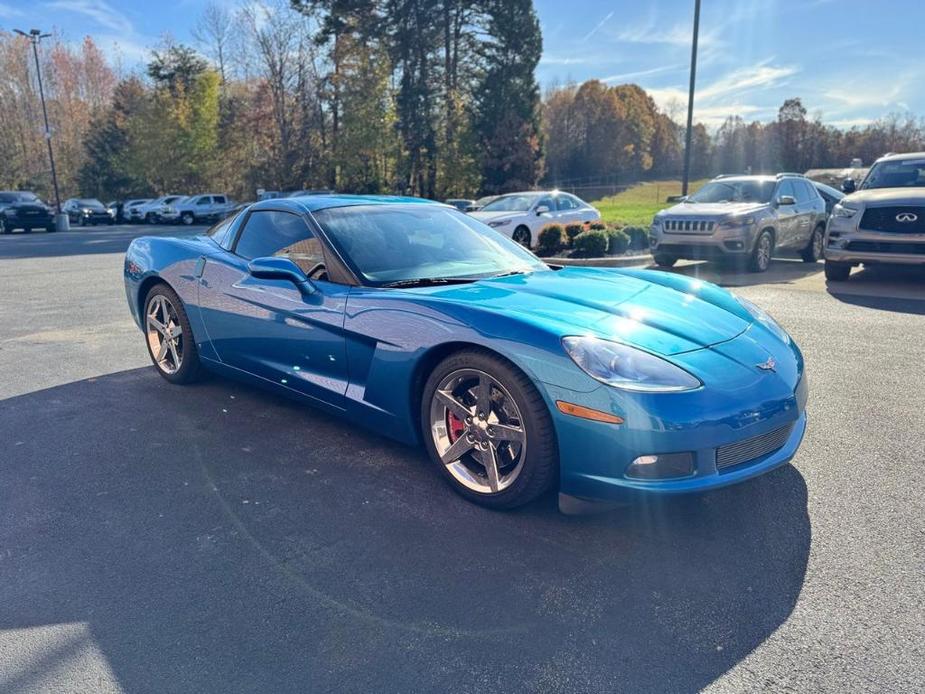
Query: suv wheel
[[664, 260], [187, 218], [837, 272], [813, 250], [760, 258], [3, 227]]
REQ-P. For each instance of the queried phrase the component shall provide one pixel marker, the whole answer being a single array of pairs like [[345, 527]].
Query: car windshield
[[18, 197], [747, 190], [90, 202], [896, 174], [386, 244], [510, 203]]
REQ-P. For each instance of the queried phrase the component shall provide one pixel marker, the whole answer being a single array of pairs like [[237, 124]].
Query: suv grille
[[884, 219], [750, 449], [691, 226], [886, 247]]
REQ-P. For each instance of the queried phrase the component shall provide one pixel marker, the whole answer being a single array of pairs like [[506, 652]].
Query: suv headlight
[[843, 210], [764, 318], [627, 368], [736, 222]]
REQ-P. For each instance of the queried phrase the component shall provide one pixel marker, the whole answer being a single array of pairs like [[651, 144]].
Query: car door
[[786, 214], [202, 207], [806, 210], [269, 328], [539, 220], [567, 210], [219, 205]]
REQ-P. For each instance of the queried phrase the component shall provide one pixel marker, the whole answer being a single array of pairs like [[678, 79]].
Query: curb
[[620, 261]]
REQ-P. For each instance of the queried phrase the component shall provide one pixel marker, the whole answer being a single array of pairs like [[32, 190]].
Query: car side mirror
[[848, 186], [542, 209], [278, 268], [785, 200]]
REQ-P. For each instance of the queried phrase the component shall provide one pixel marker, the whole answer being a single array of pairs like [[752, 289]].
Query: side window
[[273, 233], [548, 202], [204, 200], [219, 232], [576, 202], [786, 188], [564, 203], [812, 194], [218, 199]]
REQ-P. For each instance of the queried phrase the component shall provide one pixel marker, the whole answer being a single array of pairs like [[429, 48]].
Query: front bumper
[[697, 245], [28, 220], [846, 242], [751, 406]]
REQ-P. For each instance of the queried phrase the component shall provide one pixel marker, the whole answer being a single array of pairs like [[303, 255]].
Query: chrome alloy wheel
[[478, 431], [165, 335], [763, 252], [818, 240]]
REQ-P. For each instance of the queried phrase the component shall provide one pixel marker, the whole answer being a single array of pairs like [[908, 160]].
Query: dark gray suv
[[746, 218]]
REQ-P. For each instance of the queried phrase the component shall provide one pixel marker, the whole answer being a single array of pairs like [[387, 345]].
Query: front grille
[[886, 247], [688, 226], [751, 449], [884, 219]]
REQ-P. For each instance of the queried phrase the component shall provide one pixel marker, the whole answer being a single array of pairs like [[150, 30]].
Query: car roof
[[313, 203], [902, 157]]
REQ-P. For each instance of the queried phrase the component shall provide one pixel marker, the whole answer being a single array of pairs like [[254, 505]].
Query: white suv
[[150, 212], [209, 207], [523, 215]]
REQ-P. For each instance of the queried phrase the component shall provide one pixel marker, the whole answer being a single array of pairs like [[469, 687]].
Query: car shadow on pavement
[[885, 287], [725, 274], [216, 538], [83, 240]]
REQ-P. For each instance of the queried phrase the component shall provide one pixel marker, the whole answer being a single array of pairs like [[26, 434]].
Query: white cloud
[[627, 76], [99, 11], [598, 26], [7, 12]]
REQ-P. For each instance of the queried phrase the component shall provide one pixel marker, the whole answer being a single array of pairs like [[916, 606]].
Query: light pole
[[35, 36], [690, 101]]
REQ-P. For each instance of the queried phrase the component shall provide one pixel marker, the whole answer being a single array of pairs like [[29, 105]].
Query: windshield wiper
[[430, 281]]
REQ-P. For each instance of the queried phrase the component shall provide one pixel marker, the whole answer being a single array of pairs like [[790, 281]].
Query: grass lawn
[[637, 205]]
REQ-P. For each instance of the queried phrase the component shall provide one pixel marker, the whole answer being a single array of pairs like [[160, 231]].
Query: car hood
[[487, 216], [711, 209], [888, 196], [663, 313]]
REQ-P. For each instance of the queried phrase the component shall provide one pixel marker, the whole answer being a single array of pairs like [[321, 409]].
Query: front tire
[[837, 272], [760, 259], [813, 251], [4, 229], [169, 337], [665, 260], [187, 218], [487, 429], [522, 236]]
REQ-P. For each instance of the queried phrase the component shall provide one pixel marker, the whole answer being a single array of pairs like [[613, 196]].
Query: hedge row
[[599, 240]]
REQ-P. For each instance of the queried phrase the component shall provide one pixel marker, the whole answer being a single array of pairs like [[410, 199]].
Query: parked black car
[[20, 209], [85, 211]]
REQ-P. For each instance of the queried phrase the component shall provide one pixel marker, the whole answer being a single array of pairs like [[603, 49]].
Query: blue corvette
[[421, 323]]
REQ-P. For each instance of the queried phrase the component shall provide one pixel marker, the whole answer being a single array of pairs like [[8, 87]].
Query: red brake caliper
[[454, 425]]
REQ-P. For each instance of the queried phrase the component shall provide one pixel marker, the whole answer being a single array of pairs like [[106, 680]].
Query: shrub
[[551, 240], [572, 231], [638, 238], [617, 241], [591, 244], [598, 226]]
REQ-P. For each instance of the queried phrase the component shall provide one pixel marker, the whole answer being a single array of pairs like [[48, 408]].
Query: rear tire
[[760, 259], [665, 260], [4, 229], [813, 251], [837, 272], [187, 218], [178, 361], [516, 434]]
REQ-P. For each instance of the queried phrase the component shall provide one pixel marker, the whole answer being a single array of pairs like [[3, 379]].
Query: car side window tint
[[204, 200], [576, 202], [564, 203], [274, 233], [219, 199], [786, 188], [548, 202]]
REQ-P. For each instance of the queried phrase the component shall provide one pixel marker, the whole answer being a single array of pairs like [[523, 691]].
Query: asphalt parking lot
[[218, 539]]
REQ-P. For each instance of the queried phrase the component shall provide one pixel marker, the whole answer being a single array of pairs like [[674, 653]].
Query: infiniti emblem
[[907, 217], [768, 365]]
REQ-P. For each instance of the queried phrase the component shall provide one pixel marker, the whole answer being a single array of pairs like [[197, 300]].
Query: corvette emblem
[[907, 217], [768, 365]]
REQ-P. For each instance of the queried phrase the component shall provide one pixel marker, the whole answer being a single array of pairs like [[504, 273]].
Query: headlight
[[500, 223], [735, 222], [841, 210], [627, 368], [762, 317]]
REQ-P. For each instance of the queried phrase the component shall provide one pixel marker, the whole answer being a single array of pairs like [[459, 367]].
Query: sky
[[851, 61]]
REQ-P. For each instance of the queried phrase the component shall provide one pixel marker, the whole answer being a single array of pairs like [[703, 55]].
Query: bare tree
[[215, 35]]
